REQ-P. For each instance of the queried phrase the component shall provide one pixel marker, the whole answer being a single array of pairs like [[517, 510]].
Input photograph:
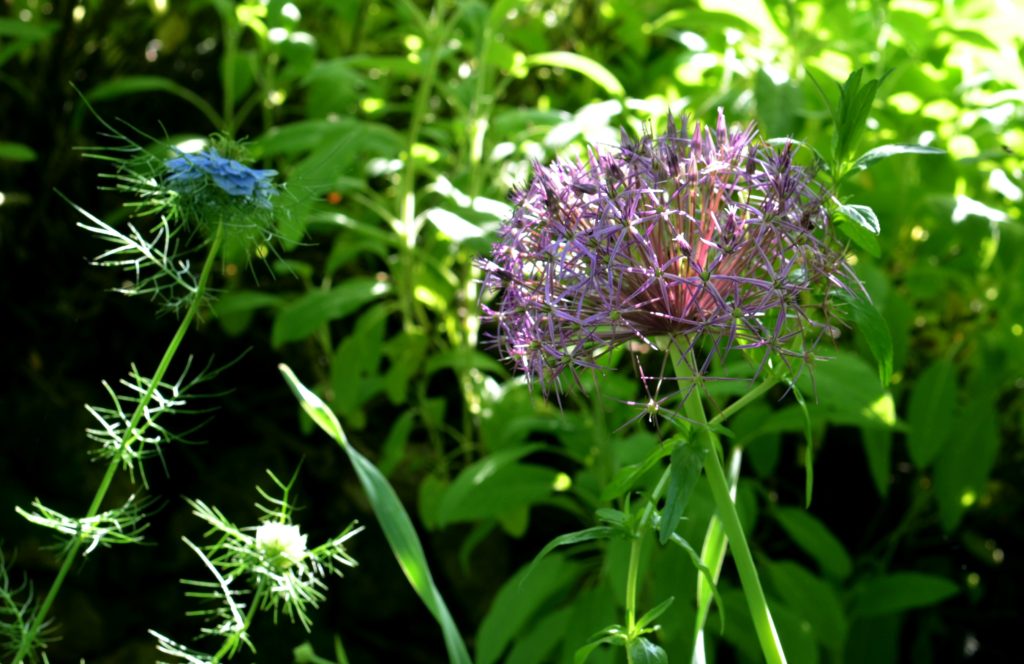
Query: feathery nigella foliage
[[711, 242]]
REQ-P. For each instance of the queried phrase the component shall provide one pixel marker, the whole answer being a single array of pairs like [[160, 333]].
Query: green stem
[[726, 512], [130, 436], [749, 579], [633, 571]]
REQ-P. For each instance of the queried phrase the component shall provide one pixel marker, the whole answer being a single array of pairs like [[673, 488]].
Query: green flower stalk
[[192, 205], [703, 245]]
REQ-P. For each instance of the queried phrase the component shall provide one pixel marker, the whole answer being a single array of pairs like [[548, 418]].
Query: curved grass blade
[[394, 519]]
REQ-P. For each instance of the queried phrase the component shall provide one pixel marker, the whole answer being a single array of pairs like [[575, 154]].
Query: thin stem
[[129, 438], [712, 554], [631, 580], [633, 571], [726, 509], [230, 644], [749, 579]]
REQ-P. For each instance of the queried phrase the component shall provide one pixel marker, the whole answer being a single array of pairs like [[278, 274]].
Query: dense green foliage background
[[399, 128]]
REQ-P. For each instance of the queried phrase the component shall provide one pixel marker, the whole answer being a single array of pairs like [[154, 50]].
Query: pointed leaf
[[687, 462], [394, 520], [891, 150], [899, 592], [592, 69], [654, 613], [814, 537], [930, 412], [872, 325]]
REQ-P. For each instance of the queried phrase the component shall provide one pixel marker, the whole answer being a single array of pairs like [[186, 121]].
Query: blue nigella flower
[[233, 177]]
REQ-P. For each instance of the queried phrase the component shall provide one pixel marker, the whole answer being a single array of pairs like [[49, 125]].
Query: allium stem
[[771, 647], [129, 437]]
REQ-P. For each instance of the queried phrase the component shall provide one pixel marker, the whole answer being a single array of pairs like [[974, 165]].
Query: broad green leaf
[[811, 598], [355, 365], [16, 152], [394, 520], [304, 316], [463, 358], [862, 215], [899, 592], [891, 150], [496, 483], [393, 450], [964, 464], [878, 448], [811, 535], [643, 651], [779, 105], [581, 64], [476, 495], [861, 236], [235, 309], [518, 601], [871, 324], [684, 471], [930, 412], [453, 226], [539, 642]]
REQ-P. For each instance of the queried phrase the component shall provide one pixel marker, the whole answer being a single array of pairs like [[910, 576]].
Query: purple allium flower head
[[712, 242]]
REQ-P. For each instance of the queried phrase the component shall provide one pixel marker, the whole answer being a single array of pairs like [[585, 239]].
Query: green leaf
[[930, 412], [581, 64], [811, 535], [808, 445], [518, 600], [539, 642], [870, 323], [495, 484], [891, 150], [684, 471], [578, 537], [878, 448], [861, 215], [811, 598], [627, 476], [394, 520], [642, 651], [463, 358], [861, 236], [453, 226], [133, 85], [778, 105], [899, 592], [234, 310], [16, 152], [964, 464], [654, 614], [585, 651], [304, 316]]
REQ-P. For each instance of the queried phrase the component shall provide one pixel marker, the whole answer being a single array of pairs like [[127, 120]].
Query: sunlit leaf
[[394, 520]]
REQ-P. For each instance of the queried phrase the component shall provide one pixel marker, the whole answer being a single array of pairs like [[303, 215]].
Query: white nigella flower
[[282, 543]]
